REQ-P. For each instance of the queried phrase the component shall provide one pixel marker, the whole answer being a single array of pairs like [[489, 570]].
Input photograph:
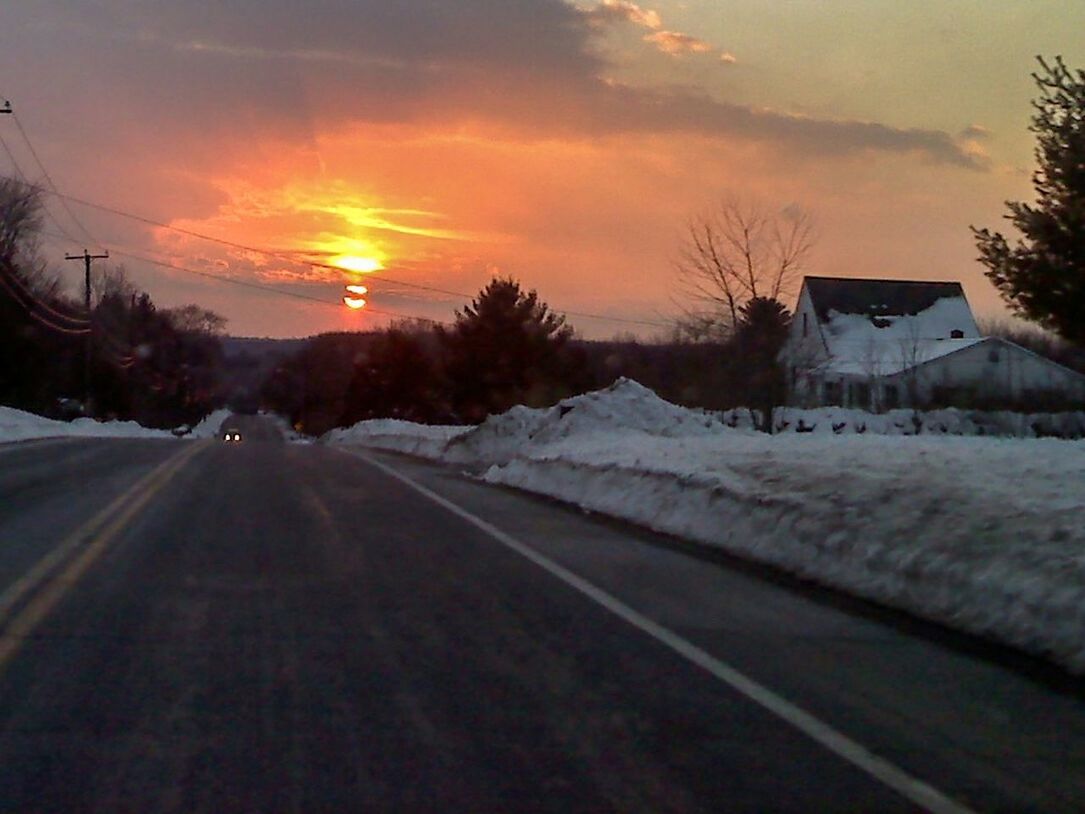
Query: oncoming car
[[231, 437]]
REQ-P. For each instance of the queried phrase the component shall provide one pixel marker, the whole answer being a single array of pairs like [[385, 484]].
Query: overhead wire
[[299, 259], [263, 287], [26, 180], [6, 283], [28, 298], [49, 180], [291, 257]]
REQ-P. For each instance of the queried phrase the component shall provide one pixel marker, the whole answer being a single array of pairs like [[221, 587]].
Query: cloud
[[673, 43], [203, 78], [975, 132], [728, 57], [612, 11], [676, 44]]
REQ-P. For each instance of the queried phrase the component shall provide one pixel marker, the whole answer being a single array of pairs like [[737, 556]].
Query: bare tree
[[733, 253], [21, 218], [193, 318]]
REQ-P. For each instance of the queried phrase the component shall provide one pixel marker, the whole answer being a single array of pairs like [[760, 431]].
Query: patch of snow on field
[[17, 425], [982, 534]]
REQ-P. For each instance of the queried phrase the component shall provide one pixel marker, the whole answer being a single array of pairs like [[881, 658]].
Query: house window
[[860, 395], [956, 333], [833, 393], [892, 397], [992, 355], [804, 326]]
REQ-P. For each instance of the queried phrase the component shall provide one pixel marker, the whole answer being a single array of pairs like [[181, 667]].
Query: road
[[207, 627]]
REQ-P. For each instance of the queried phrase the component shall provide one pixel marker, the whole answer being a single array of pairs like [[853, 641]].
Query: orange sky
[[562, 143]]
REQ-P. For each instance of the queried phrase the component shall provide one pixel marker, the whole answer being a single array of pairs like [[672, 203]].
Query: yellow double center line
[[30, 599]]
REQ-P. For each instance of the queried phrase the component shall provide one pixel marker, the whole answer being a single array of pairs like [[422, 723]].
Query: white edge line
[[898, 780]]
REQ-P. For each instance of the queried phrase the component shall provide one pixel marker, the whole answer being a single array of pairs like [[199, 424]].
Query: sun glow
[[353, 262]]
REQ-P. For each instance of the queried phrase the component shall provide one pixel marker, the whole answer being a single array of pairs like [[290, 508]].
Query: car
[[232, 437]]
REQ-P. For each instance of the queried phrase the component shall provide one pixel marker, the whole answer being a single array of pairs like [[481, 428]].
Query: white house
[[881, 344]]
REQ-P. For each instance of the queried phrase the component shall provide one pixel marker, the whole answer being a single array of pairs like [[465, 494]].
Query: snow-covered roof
[[881, 327]]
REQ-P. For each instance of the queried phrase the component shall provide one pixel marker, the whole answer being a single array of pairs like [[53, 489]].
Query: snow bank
[[16, 425], [210, 424], [624, 407], [398, 436], [980, 533]]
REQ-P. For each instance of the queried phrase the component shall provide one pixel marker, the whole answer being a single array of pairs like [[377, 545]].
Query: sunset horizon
[[420, 152]]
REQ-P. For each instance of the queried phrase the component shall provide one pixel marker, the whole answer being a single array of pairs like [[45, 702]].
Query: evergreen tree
[[396, 378], [1042, 276], [762, 330], [506, 348]]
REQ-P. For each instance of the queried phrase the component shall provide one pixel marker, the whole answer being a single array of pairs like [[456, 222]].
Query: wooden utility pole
[[86, 257]]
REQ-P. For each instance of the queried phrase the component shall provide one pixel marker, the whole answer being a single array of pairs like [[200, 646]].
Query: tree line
[[160, 367], [508, 347]]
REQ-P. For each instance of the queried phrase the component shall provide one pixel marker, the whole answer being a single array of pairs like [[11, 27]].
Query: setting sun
[[351, 262], [358, 301]]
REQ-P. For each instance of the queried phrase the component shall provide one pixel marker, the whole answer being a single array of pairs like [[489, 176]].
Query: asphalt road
[[199, 626]]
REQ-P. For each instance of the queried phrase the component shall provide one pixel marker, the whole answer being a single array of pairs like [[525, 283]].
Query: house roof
[[890, 358], [874, 298], [880, 327]]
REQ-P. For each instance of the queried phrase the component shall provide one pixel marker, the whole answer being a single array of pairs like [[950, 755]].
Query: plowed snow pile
[[16, 425], [983, 534]]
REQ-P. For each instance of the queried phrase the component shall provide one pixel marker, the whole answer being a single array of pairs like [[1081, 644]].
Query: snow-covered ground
[[16, 425], [983, 534]]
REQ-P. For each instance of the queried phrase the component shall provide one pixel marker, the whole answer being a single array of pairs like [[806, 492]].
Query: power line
[[293, 257], [49, 181], [263, 287], [28, 298], [14, 161], [6, 283], [23, 177]]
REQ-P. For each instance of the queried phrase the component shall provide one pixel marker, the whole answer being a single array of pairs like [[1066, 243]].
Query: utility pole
[[86, 257]]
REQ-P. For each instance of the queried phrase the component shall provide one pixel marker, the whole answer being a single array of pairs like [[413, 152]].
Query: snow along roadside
[[1040, 609], [981, 534], [1010, 569]]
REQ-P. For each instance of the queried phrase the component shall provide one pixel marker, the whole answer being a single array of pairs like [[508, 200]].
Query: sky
[[417, 145]]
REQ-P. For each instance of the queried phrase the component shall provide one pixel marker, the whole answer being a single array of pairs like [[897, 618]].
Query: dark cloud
[[211, 79]]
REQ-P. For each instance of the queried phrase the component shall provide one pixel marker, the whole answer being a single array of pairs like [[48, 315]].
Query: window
[[833, 392], [992, 355], [804, 326], [892, 397], [956, 333], [860, 395]]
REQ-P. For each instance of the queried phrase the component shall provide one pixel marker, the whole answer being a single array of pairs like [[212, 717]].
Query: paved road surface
[[196, 626]]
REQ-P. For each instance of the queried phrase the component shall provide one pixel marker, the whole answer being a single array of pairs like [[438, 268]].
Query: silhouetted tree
[[196, 319], [506, 348], [762, 331], [38, 355], [1042, 276], [396, 378]]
